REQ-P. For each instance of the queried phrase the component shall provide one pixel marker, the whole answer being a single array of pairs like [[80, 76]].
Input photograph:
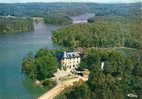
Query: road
[[60, 87]]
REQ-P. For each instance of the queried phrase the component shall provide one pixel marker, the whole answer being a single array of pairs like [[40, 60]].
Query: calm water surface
[[13, 48]]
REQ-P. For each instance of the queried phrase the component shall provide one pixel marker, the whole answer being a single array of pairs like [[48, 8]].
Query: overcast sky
[[97, 1]]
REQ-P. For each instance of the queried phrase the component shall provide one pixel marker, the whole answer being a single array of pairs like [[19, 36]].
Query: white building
[[70, 59]]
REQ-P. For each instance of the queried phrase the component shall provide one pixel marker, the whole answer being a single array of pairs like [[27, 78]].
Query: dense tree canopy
[[102, 33], [58, 13], [72, 9], [42, 9], [42, 66], [59, 19], [116, 62], [119, 77], [13, 25]]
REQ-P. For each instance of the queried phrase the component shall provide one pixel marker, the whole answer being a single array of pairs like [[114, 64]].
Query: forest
[[59, 13], [121, 75], [71, 9], [40, 66], [14, 25], [105, 31], [114, 40], [41, 9], [58, 19]]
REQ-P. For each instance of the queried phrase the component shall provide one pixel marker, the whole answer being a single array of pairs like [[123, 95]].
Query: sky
[[96, 1]]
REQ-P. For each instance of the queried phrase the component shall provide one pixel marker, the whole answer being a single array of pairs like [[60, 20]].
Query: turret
[[65, 54]]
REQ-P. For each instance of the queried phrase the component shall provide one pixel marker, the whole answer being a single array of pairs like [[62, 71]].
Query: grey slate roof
[[68, 54]]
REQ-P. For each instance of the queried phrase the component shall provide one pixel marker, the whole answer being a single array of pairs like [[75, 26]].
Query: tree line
[[71, 9], [58, 19], [13, 25], [121, 75], [40, 66], [59, 13], [102, 33]]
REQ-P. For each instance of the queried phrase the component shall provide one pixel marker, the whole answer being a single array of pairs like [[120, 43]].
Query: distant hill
[[71, 9]]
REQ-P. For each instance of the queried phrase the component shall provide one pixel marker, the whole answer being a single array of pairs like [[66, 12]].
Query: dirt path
[[60, 87]]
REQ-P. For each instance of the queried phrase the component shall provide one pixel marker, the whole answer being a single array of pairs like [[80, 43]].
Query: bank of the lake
[[9, 24], [13, 48]]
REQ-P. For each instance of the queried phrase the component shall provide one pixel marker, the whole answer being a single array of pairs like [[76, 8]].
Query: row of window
[[73, 59], [73, 65], [70, 62]]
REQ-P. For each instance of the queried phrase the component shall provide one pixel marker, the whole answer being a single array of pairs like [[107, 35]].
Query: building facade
[[70, 59]]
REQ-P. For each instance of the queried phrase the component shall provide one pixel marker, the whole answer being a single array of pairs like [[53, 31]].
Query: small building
[[82, 19], [79, 21], [70, 59]]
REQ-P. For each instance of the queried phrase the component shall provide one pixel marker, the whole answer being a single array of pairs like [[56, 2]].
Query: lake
[[13, 48]]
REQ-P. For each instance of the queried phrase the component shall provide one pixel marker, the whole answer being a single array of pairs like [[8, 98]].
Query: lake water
[[13, 48]]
